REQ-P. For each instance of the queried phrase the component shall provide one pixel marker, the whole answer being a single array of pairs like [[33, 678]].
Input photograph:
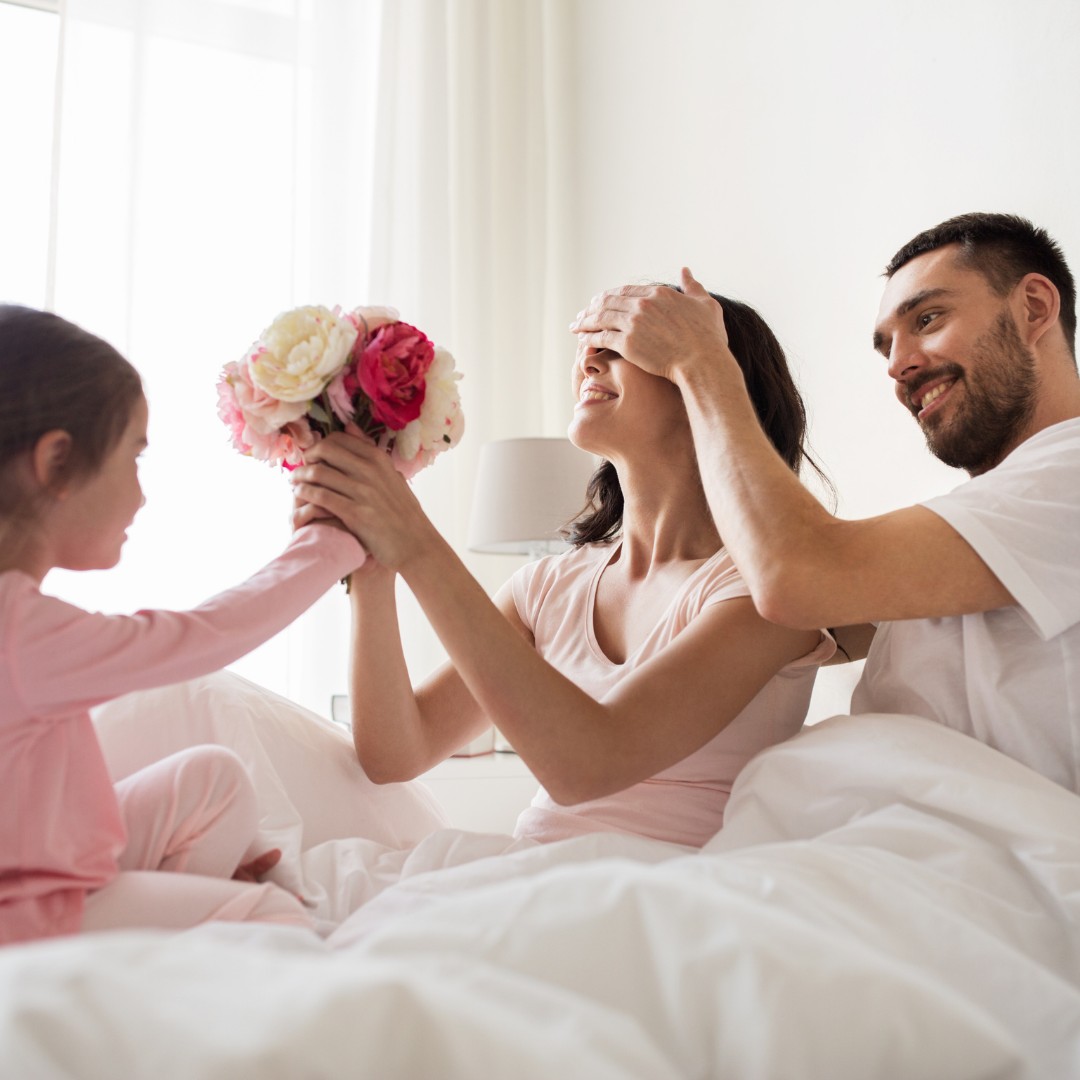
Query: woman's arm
[[398, 732], [577, 747]]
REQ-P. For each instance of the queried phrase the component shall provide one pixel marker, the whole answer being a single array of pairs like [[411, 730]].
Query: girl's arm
[[62, 658], [577, 747]]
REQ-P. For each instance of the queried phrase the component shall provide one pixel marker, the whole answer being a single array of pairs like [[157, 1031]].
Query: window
[[29, 39]]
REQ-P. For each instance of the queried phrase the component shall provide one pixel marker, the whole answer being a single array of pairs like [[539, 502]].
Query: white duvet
[[887, 899]]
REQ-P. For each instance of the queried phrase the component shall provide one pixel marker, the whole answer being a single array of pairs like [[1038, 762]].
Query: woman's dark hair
[[776, 400], [56, 376]]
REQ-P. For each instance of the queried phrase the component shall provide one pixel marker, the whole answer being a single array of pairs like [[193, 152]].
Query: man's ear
[[49, 460], [1041, 306]]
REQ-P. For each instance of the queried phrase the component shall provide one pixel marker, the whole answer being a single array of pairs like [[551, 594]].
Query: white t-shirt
[[1010, 677]]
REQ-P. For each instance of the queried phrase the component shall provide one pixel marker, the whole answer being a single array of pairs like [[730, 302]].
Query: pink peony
[[284, 447], [368, 319], [261, 410], [230, 412], [342, 393], [392, 367]]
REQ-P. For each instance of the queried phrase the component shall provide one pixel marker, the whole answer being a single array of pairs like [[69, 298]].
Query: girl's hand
[[349, 478], [304, 513], [259, 867]]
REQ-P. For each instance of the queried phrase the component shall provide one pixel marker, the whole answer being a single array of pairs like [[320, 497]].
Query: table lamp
[[526, 491]]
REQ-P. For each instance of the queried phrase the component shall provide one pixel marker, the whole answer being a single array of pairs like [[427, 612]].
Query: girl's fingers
[[309, 513]]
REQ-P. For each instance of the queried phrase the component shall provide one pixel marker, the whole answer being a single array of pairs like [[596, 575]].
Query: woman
[[632, 674]]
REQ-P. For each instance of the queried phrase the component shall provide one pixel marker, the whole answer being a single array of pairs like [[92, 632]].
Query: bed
[[888, 898]]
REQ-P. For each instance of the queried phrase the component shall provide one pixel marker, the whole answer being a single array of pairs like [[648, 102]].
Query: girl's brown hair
[[56, 376]]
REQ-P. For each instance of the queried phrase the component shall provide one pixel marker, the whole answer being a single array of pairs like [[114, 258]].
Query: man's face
[[959, 364]]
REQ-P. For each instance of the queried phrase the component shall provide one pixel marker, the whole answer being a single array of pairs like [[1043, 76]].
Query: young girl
[[78, 852]]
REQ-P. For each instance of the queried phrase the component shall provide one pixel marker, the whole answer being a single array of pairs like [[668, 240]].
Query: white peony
[[441, 422], [300, 352]]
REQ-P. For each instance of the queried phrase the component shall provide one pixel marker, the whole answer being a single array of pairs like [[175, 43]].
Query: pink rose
[[392, 368]]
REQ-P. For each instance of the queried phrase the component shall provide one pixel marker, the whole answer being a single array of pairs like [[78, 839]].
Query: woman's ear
[[49, 460]]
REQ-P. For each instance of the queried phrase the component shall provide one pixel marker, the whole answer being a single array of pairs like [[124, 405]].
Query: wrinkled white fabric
[[888, 899]]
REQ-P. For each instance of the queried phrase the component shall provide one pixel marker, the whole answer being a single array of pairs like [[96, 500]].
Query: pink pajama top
[[61, 826], [555, 597]]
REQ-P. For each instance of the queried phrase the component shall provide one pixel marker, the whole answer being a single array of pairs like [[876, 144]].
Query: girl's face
[[619, 408], [88, 525]]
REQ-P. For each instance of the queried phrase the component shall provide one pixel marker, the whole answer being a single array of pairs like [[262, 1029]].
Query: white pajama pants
[[191, 818]]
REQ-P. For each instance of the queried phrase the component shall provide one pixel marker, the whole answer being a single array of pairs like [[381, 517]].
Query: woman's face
[[620, 409]]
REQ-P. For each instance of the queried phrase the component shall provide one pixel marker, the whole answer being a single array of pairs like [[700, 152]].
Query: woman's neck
[[665, 517]]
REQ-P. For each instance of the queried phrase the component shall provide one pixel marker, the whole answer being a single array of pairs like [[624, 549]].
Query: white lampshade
[[526, 491]]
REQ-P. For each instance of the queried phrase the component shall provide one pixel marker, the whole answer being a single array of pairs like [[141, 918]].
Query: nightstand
[[484, 793]]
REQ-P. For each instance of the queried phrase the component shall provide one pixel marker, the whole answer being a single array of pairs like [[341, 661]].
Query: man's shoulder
[[1045, 460], [1054, 441]]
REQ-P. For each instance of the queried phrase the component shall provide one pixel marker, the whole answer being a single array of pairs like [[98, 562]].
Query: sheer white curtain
[[220, 160]]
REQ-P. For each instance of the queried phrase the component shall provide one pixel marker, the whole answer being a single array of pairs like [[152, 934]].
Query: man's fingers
[[599, 340], [607, 308], [691, 285]]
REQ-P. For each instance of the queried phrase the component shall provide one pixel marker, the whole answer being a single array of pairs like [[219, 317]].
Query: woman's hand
[[347, 477], [658, 329]]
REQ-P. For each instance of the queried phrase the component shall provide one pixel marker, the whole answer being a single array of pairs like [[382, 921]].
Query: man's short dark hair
[[1003, 248]]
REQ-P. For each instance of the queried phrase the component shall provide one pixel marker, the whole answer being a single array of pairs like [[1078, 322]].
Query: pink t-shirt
[[62, 830], [555, 597]]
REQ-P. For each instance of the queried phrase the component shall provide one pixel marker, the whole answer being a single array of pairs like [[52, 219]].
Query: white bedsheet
[[887, 899]]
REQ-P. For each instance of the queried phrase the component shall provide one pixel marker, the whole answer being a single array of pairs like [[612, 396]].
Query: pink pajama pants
[[190, 819]]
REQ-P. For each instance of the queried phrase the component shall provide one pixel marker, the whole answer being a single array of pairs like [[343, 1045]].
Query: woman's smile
[[592, 393]]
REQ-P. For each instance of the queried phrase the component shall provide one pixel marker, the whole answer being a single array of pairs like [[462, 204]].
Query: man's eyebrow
[[906, 305], [920, 298]]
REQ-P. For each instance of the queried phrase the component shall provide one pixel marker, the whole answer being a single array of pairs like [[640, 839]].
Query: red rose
[[392, 370]]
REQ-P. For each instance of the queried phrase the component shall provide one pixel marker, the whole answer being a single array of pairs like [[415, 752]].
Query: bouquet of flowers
[[315, 370]]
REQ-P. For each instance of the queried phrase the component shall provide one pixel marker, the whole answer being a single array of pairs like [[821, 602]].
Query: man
[[976, 593]]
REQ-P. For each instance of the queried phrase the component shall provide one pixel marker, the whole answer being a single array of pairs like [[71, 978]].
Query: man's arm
[[805, 567]]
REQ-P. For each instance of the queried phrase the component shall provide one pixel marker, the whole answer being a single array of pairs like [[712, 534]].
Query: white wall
[[784, 150]]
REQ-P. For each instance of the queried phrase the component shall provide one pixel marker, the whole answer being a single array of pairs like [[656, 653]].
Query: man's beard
[[997, 403]]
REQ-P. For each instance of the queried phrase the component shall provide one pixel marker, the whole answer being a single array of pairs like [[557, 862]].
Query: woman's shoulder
[[569, 563], [565, 571], [717, 579]]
